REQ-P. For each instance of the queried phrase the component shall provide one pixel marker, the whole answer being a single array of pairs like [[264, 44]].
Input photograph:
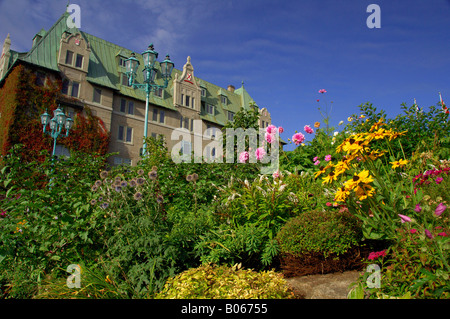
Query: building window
[[192, 124], [187, 100], [161, 117], [154, 135], [79, 61], [69, 57], [97, 95], [122, 61], [203, 92], [193, 100], [230, 116], [125, 134], [125, 80], [223, 99], [123, 105], [210, 109], [75, 89], [155, 115], [40, 78], [186, 123], [159, 92], [130, 107], [65, 87], [122, 161], [181, 121]]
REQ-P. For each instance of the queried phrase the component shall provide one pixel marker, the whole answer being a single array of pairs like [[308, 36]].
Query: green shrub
[[222, 282], [327, 232]]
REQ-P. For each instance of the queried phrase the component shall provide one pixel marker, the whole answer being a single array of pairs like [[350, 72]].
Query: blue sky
[[284, 51]]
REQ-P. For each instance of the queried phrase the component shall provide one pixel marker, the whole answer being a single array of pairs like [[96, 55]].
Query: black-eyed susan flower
[[329, 178], [399, 163]]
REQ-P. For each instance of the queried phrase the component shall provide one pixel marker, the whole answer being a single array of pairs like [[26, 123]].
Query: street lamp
[[56, 124], [132, 64]]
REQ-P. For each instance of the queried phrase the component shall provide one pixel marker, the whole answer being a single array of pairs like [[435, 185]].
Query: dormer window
[[122, 61], [210, 109], [223, 99], [69, 57], [203, 92], [79, 61], [230, 116]]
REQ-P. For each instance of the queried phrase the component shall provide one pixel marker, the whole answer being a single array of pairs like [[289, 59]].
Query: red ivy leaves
[[21, 104]]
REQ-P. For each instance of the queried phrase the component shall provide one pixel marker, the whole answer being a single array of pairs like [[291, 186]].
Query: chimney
[[231, 88]]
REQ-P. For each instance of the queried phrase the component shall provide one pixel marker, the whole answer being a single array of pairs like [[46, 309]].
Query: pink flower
[[271, 128], [316, 163], [443, 234], [269, 138], [322, 91], [243, 157], [439, 180], [375, 255], [315, 158], [276, 174], [329, 204], [428, 233], [328, 158], [418, 208], [280, 130], [413, 230], [439, 209], [308, 129], [298, 138], [259, 153], [405, 219]]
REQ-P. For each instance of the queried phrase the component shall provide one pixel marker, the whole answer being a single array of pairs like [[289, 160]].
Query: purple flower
[[428, 233], [439, 180], [439, 209], [405, 219], [418, 208]]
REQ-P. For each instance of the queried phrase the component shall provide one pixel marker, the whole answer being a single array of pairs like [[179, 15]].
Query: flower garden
[[372, 191]]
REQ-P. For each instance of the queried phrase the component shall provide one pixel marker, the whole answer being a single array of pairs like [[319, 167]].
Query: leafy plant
[[330, 232], [223, 282]]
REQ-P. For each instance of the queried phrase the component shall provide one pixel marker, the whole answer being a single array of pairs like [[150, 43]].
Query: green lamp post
[[56, 124], [132, 64]]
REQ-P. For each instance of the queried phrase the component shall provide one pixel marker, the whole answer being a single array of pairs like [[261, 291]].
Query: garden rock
[[326, 286]]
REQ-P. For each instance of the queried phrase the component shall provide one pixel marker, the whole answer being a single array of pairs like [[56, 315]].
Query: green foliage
[[222, 282], [327, 232], [44, 227], [428, 130]]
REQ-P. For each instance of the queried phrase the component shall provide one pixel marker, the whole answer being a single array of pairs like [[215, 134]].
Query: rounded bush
[[224, 282], [325, 232]]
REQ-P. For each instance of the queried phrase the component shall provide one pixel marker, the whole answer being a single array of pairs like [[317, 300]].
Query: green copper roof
[[104, 70]]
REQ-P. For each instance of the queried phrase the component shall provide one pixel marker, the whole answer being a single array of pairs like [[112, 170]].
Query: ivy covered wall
[[23, 98]]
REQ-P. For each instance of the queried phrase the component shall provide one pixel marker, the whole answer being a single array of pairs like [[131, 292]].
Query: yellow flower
[[349, 119], [377, 125], [323, 170], [353, 144], [357, 179], [399, 163], [341, 194], [363, 191], [329, 178], [317, 124], [340, 168]]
